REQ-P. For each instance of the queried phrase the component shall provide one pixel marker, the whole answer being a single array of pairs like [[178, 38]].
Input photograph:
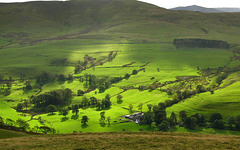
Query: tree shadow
[[84, 125], [61, 82], [64, 119], [102, 124], [75, 117], [69, 81], [149, 128], [51, 114], [120, 101], [25, 91]]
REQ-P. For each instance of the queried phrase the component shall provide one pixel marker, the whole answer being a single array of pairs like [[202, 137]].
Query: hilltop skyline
[[204, 3], [169, 3]]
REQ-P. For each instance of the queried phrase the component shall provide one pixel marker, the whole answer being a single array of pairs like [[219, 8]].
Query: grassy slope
[[141, 33], [224, 101], [122, 140], [4, 134]]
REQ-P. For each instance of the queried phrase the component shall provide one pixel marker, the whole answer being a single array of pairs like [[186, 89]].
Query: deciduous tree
[[230, 121], [84, 120], [65, 112], [215, 116], [182, 115], [51, 108], [140, 106], [119, 98], [23, 125], [148, 118]]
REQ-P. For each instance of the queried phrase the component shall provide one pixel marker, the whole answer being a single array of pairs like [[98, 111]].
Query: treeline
[[215, 121], [90, 62], [202, 43], [91, 82], [157, 114], [102, 104], [46, 77]]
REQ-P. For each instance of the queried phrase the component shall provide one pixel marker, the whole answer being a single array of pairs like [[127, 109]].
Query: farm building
[[137, 117]]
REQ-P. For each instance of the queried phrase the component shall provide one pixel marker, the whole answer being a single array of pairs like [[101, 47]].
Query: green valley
[[98, 61]]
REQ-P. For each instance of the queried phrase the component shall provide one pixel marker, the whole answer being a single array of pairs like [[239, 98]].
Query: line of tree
[[157, 114], [46, 77], [105, 103], [102, 104], [91, 82], [62, 77]]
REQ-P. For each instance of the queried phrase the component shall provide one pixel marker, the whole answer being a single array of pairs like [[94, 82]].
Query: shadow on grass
[[86, 107], [102, 124], [25, 91], [52, 114], [120, 101], [70, 81], [97, 109], [84, 125], [75, 117], [61, 82], [150, 128], [64, 119]]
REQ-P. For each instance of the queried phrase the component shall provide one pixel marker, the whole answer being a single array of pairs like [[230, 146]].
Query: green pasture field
[[72, 123], [7, 112], [171, 62]]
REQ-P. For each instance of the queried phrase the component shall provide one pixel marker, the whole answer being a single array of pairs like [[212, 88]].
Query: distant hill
[[229, 9], [207, 10], [198, 8]]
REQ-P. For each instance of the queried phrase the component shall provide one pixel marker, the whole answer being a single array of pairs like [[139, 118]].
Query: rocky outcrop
[[202, 43]]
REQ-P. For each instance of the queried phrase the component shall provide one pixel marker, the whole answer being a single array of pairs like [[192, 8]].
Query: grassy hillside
[[36, 36], [122, 140], [4, 134], [223, 101]]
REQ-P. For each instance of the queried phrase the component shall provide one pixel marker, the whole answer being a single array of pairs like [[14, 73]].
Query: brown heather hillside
[[123, 140]]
